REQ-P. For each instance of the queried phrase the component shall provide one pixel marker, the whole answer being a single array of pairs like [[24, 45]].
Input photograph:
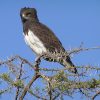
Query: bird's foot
[[38, 60]]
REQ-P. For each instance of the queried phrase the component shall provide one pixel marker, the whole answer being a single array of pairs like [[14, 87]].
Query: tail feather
[[71, 67], [68, 64]]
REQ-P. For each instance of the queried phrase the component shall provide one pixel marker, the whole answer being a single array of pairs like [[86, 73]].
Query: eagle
[[40, 38]]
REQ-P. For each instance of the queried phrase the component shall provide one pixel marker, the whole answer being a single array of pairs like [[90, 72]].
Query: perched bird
[[40, 38]]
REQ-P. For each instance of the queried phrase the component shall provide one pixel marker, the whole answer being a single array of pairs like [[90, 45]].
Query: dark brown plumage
[[43, 34], [50, 41]]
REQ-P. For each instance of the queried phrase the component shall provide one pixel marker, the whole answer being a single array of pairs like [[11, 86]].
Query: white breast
[[34, 42]]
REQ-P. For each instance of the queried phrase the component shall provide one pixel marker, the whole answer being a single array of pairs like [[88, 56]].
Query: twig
[[17, 94], [24, 61], [15, 58], [82, 49], [50, 90], [28, 86], [56, 96], [9, 60], [98, 93], [19, 77], [80, 67], [37, 96]]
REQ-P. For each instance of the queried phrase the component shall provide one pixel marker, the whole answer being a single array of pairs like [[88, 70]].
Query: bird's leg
[[37, 62]]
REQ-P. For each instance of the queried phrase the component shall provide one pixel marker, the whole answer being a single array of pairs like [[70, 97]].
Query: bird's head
[[28, 14]]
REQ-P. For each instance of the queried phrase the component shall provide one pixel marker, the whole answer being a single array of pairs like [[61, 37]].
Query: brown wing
[[51, 42]]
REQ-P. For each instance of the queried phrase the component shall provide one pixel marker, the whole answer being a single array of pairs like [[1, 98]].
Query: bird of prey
[[39, 37]]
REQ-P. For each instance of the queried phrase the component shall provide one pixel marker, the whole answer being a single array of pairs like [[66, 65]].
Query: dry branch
[[57, 83]]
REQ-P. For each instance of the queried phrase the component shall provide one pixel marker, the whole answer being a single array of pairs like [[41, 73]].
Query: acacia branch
[[55, 83], [80, 67], [80, 49], [34, 78]]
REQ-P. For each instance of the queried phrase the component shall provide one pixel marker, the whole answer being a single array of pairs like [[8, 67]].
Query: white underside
[[34, 42]]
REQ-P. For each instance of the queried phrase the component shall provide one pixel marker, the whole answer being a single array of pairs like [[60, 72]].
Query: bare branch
[[77, 50]]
